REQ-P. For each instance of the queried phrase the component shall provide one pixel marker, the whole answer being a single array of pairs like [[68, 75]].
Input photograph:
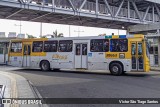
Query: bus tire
[[45, 66], [116, 69]]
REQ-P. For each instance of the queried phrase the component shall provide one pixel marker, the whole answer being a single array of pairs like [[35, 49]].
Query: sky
[[33, 28]]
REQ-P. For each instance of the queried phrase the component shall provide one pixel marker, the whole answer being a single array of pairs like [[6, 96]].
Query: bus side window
[[65, 45], [99, 45], [37, 46], [50, 46], [16, 47], [118, 45]]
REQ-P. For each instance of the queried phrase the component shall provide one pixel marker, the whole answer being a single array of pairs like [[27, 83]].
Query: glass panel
[[133, 51], [16, 47], [84, 49], [147, 49], [151, 50], [50, 46], [37, 46], [78, 49], [139, 48], [118, 45], [65, 45], [156, 59], [29, 49], [99, 45], [134, 62], [1, 50], [140, 62], [156, 49], [25, 50]]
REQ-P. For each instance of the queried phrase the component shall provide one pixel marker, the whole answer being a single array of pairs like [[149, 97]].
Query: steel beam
[[128, 10], [53, 4], [157, 9], [83, 3], [108, 6], [72, 5], [136, 10], [40, 16], [97, 7], [146, 13], [120, 6], [29, 1], [14, 13]]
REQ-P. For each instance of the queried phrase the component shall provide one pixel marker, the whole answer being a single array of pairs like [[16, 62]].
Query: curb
[[21, 87], [36, 93]]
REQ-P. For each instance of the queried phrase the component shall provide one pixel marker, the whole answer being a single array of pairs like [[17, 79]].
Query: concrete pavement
[[17, 86]]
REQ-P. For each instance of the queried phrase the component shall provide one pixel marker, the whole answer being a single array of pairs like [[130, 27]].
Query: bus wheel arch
[[116, 68], [44, 65]]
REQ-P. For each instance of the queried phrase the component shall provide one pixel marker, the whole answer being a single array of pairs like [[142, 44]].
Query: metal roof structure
[[118, 14]]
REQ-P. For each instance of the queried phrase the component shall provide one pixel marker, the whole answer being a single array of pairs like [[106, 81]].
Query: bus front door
[[80, 55], [26, 55], [137, 56]]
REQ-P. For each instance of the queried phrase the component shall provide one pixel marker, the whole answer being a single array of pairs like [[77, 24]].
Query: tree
[[30, 36], [56, 35]]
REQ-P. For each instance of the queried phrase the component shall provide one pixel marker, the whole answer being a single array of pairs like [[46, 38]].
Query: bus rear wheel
[[116, 69], [45, 66]]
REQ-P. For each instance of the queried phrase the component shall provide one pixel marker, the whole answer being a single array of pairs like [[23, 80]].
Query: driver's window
[[133, 49], [139, 48]]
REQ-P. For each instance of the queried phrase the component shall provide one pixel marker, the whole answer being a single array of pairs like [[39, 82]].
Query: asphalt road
[[70, 84]]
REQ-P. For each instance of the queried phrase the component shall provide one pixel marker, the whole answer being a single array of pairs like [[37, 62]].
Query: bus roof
[[82, 38]]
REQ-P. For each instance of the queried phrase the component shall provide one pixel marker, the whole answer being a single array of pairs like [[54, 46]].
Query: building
[[154, 49]]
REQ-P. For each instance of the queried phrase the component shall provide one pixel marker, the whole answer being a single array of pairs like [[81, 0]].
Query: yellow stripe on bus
[[115, 36]]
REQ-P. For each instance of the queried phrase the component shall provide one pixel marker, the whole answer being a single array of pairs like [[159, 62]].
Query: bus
[[4, 44], [117, 53]]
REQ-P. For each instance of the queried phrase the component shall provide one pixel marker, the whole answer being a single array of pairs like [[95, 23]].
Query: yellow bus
[[116, 53]]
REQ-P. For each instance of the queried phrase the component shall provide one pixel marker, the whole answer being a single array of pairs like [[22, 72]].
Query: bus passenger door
[[137, 56], [26, 55], [80, 55]]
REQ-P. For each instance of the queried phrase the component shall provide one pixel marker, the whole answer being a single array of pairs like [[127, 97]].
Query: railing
[[90, 7]]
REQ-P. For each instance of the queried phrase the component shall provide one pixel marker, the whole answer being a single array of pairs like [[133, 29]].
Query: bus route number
[[111, 55]]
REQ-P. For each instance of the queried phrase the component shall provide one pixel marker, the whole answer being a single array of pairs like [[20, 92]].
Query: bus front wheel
[[45, 66], [116, 69]]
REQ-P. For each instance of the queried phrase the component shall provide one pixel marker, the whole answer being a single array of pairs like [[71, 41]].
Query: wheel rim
[[115, 69], [44, 66]]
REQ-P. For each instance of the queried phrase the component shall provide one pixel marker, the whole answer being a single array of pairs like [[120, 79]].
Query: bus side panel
[[126, 63], [96, 61], [62, 60], [35, 61], [65, 60], [16, 61]]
